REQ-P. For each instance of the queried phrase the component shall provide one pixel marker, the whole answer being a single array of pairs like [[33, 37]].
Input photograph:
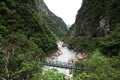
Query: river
[[65, 56]]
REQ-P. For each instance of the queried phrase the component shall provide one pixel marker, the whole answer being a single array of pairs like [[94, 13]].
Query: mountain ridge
[[95, 21], [55, 23]]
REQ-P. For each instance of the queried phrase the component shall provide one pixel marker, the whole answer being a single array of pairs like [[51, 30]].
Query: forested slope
[[54, 22], [96, 32], [24, 37], [97, 25]]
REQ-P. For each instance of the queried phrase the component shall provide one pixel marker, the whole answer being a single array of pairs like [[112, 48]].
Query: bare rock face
[[42, 8], [104, 26]]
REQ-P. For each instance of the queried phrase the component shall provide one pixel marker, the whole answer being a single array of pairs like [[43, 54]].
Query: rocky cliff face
[[55, 23], [95, 19], [96, 16]]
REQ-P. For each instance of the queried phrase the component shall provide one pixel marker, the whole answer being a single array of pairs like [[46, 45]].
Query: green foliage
[[25, 37], [83, 45], [56, 25], [110, 45], [99, 67], [87, 34], [3, 31], [48, 75], [97, 26]]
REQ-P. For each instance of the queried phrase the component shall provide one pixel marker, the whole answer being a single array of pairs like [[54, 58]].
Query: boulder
[[79, 56], [63, 45], [70, 61], [52, 57], [75, 59]]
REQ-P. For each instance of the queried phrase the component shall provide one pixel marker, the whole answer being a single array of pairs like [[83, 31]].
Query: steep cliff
[[54, 22], [96, 32], [25, 37], [95, 23]]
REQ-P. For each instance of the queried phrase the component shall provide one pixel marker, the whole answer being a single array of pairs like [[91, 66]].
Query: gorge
[[29, 31]]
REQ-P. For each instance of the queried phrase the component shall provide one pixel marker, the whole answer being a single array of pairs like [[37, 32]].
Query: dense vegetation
[[55, 23], [99, 67], [28, 32], [97, 32], [24, 38], [51, 74], [96, 25]]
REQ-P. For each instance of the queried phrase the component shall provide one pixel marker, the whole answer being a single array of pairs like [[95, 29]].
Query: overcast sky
[[66, 9]]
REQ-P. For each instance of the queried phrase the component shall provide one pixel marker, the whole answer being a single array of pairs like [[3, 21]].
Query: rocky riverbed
[[63, 54]]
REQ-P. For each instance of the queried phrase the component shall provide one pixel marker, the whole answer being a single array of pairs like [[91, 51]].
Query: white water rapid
[[66, 56]]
